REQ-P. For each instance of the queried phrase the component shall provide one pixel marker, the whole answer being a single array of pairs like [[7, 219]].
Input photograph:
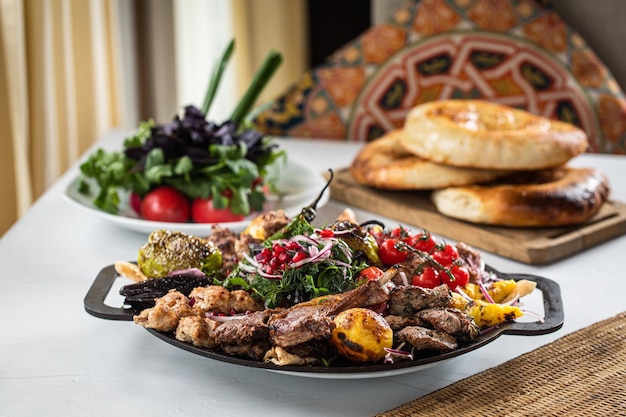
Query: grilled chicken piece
[[197, 331], [247, 336], [451, 321], [422, 338], [406, 301], [166, 313], [313, 320], [218, 299]]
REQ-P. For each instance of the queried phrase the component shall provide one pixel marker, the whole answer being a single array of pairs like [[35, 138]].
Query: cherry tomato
[[399, 232], [460, 274], [165, 204], [135, 202], [424, 242], [202, 211], [371, 273], [428, 278], [390, 254], [446, 256]]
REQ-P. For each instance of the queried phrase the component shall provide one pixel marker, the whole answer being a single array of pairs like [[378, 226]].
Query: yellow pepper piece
[[498, 290], [458, 301], [489, 314]]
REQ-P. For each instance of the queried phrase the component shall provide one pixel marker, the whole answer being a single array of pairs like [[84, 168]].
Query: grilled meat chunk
[[422, 338], [302, 324], [166, 313], [472, 259], [218, 299], [406, 301], [226, 241], [247, 336], [451, 321], [197, 331], [398, 322]]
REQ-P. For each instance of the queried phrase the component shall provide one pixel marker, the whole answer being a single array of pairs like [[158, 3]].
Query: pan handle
[[552, 306], [94, 299]]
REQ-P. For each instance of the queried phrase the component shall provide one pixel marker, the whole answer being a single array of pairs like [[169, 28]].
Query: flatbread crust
[[480, 134], [569, 196], [383, 164]]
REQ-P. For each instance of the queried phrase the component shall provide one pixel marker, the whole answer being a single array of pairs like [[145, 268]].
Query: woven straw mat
[[580, 374]]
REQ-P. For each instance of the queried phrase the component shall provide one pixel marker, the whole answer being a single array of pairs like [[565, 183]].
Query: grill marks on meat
[[421, 317], [299, 335], [248, 336], [450, 321], [406, 301], [399, 322], [301, 325], [422, 338]]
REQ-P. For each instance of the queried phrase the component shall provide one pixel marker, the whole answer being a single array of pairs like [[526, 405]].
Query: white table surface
[[57, 360]]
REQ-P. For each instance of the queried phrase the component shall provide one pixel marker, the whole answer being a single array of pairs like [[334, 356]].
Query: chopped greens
[[298, 267]]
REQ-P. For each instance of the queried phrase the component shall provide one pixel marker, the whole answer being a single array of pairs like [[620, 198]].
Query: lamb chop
[[313, 320]]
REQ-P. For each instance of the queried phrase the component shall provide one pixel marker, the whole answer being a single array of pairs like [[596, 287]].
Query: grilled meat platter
[[286, 294]]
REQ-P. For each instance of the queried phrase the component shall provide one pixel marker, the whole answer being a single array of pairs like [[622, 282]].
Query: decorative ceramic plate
[[297, 187], [553, 320]]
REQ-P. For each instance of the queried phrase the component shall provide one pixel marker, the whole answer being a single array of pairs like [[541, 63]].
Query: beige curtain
[[260, 26], [71, 70], [61, 80]]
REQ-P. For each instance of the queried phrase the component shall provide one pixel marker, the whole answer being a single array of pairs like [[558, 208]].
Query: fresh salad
[[190, 169]]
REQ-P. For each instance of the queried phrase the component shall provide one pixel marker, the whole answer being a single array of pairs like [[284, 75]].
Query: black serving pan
[[553, 321]]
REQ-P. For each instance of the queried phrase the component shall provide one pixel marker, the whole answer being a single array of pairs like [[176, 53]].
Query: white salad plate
[[297, 187]]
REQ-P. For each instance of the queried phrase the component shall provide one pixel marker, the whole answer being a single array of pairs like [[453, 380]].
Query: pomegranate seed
[[298, 257]]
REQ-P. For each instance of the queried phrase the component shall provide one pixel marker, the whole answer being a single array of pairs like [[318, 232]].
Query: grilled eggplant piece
[[143, 294]]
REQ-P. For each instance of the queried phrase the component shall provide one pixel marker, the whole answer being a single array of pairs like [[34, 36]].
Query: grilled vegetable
[[142, 295], [498, 290], [359, 240], [167, 251], [487, 314], [361, 335]]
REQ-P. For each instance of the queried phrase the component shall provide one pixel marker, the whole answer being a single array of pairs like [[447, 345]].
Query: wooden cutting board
[[528, 245]]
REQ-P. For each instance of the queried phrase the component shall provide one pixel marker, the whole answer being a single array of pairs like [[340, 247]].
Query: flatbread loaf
[[383, 164], [480, 134], [557, 197]]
